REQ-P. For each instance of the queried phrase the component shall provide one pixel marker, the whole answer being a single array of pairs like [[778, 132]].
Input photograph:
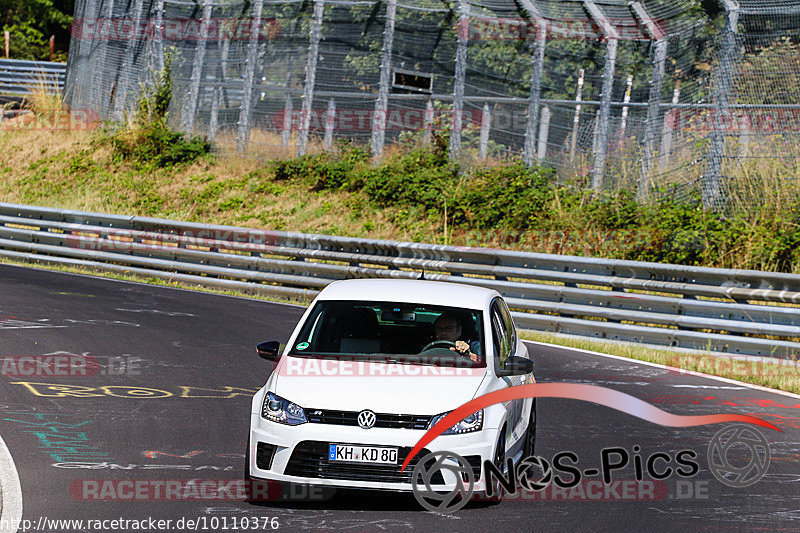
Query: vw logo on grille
[[366, 419]]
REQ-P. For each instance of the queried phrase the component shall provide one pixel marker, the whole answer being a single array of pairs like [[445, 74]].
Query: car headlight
[[468, 424], [283, 411]]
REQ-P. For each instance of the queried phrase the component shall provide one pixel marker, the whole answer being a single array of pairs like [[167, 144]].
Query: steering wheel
[[439, 344]]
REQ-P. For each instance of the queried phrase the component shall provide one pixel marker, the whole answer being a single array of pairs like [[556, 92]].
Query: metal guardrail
[[733, 311], [24, 77]]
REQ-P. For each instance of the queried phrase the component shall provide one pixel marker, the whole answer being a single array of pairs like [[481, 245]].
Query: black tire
[[528, 449], [499, 461]]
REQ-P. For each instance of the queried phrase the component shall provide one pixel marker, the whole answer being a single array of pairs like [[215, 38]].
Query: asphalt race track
[[169, 398]]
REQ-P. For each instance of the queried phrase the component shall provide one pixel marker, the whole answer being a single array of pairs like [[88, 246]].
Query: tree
[[32, 22]]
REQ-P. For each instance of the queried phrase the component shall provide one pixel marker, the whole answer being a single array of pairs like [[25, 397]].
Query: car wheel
[[499, 461], [530, 434]]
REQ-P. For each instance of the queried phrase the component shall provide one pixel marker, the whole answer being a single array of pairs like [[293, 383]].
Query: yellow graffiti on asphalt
[[55, 390]]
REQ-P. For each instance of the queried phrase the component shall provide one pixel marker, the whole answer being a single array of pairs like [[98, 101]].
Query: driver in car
[[448, 328]]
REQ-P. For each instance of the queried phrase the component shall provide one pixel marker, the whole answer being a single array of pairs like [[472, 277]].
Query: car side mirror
[[516, 366], [269, 350]]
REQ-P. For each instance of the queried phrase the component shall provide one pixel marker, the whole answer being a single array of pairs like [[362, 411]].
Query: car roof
[[410, 291]]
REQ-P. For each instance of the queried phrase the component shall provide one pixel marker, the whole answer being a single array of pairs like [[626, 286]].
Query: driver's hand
[[462, 347]]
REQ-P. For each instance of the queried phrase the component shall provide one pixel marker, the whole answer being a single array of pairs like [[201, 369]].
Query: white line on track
[[671, 368], [10, 492]]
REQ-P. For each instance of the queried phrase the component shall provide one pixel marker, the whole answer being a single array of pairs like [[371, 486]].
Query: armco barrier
[[24, 77], [733, 311]]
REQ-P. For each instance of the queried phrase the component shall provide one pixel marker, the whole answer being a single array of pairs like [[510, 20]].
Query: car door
[[504, 339]]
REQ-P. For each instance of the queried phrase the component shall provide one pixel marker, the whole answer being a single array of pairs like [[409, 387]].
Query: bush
[[148, 142], [156, 146], [510, 197]]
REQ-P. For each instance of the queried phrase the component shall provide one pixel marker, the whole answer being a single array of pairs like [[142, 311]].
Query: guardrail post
[[486, 123], [544, 133], [712, 187], [330, 121], [654, 101], [311, 75], [190, 109], [460, 81], [382, 103], [246, 109], [601, 148], [126, 69]]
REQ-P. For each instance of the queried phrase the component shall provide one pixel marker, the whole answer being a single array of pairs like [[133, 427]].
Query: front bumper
[[300, 455]]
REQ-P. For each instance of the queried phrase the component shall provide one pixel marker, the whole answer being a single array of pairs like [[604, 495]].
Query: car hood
[[378, 386]]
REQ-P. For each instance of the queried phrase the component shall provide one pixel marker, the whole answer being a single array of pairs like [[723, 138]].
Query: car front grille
[[382, 420], [475, 462], [310, 459]]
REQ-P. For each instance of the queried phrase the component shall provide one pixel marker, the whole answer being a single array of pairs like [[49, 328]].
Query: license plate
[[362, 454]]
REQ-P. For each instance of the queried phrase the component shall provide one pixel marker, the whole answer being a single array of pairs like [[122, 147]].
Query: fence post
[[623, 125], [98, 84], [311, 75], [544, 133], [651, 123], [246, 109], [330, 121], [382, 103], [576, 120], [461, 73], [486, 124], [7, 36], [427, 123], [712, 187], [612, 38], [288, 109], [666, 132], [159, 44], [190, 109], [537, 65], [654, 101], [745, 132], [126, 69], [213, 127]]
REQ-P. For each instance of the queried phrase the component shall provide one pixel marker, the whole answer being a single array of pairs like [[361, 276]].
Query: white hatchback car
[[375, 363]]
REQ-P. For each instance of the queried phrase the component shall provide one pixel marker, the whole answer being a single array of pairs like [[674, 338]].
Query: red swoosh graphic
[[575, 391]]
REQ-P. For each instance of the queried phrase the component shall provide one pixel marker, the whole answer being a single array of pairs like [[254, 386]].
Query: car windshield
[[396, 332]]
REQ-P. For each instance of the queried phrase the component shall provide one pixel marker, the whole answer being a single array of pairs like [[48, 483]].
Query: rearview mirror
[[269, 350], [515, 366]]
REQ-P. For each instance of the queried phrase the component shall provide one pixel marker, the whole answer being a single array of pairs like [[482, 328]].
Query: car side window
[[505, 314], [501, 335]]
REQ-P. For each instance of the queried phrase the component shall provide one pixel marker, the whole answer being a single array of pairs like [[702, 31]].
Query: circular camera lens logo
[[527, 477], [429, 472], [738, 455]]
